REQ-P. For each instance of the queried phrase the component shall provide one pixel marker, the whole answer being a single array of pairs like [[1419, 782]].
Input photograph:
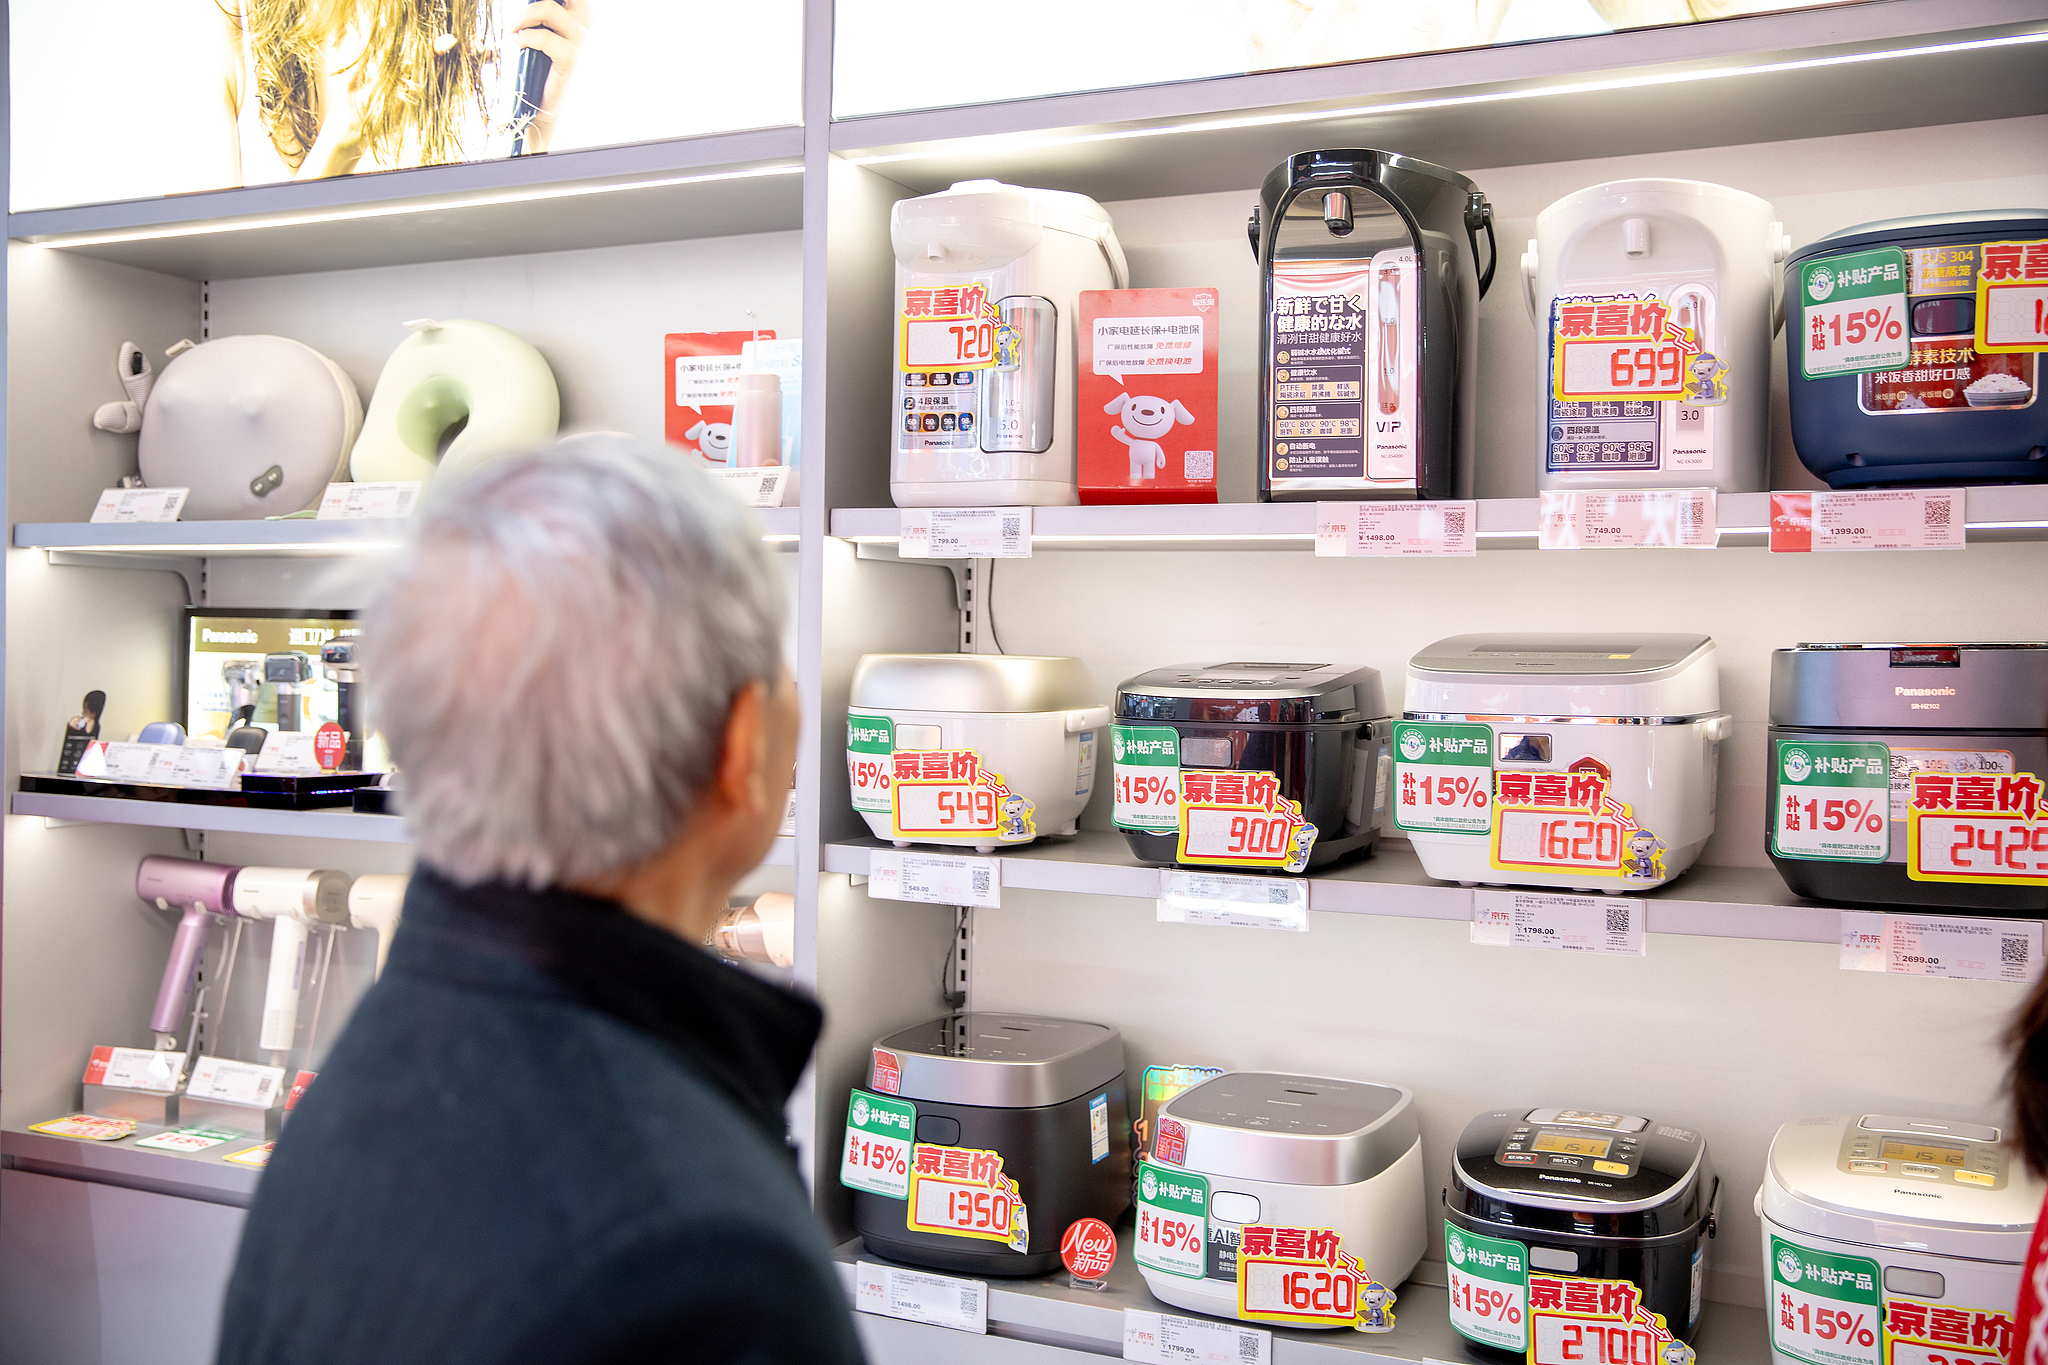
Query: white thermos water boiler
[[988, 278]]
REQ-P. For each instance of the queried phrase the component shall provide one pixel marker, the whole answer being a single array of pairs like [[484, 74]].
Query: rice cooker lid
[[1893, 1180], [1898, 685], [1000, 1061], [994, 684], [1590, 1172], [1293, 1130], [1973, 226], [1597, 673], [1333, 692]]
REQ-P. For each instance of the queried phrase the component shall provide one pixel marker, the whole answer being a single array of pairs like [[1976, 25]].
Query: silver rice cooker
[[1892, 1240], [1020, 1127], [982, 751], [1266, 1160], [1251, 766], [1557, 1220], [1910, 774]]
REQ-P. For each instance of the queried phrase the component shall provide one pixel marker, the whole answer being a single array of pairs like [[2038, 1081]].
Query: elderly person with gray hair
[[553, 1131]]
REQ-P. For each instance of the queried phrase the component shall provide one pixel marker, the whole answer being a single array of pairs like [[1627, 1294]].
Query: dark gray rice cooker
[[1594, 1193], [1025, 1087], [1976, 707]]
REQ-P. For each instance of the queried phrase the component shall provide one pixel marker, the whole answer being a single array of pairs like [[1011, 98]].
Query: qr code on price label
[[1617, 919], [1012, 527], [981, 881], [1248, 1347], [1937, 511], [1454, 522], [2012, 952]]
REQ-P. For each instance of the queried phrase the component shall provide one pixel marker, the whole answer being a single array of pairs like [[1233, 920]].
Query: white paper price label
[[289, 751], [935, 879], [1169, 1339], [1867, 519], [1234, 902], [232, 1082], [921, 1296], [764, 486], [965, 533], [134, 1068], [368, 501], [1392, 529], [127, 505], [205, 766], [1938, 945], [152, 763], [1574, 924], [1577, 520]]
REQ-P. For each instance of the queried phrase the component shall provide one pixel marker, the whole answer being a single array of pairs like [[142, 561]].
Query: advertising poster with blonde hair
[[166, 97]]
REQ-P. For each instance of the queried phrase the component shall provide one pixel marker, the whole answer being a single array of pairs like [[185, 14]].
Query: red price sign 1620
[[1855, 313]]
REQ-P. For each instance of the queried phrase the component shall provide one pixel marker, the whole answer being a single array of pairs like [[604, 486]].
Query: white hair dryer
[[764, 932], [293, 899], [375, 902]]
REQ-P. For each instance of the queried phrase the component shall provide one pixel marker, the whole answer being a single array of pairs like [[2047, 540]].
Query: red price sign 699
[[1627, 367]]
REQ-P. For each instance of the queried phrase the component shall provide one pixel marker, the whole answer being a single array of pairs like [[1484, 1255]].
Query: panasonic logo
[[226, 637], [1923, 691], [1917, 1194], [1567, 1179]]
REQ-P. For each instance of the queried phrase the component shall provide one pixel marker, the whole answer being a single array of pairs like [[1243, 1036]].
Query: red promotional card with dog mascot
[[1147, 395], [700, 386]]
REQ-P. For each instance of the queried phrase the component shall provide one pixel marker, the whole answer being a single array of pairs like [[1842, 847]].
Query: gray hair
[[554, 656]]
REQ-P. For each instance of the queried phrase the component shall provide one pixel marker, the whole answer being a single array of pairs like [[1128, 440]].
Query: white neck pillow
[[255, 426], [453, 395]]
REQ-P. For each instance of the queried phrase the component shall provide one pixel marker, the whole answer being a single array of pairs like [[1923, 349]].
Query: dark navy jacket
[[552, 1133]]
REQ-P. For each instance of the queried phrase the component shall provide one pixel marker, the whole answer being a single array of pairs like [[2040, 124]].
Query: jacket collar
[[749, 1038]]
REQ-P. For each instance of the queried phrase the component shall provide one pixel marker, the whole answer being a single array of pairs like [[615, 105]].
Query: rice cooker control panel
[[1583, 1140], [1893, 1148]]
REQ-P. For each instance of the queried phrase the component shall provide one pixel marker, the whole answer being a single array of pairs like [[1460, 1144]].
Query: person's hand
[[556, 28]]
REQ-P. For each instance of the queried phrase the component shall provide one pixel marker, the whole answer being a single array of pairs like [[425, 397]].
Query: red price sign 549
[[946, 808]]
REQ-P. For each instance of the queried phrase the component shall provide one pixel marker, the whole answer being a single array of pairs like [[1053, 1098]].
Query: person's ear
[[744, 752]]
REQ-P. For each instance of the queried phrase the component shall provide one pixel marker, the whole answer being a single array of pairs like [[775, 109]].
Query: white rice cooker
[[988, 285], [1654, 303], [1571, 760], [974, 750], [1282, 1152], [1892, 1240]]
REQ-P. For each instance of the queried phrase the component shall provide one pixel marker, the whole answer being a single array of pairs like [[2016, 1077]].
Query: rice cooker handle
[[1478, 215], [1780, 247], [1092, 718], [1251, 230], [1720, 728], [1529, 260], [1757, 1206]]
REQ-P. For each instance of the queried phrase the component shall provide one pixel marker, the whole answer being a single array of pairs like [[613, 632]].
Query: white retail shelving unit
[[1736, 1019]]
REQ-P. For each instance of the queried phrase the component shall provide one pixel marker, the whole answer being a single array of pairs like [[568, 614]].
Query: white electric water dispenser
[[988, 278], [1655, 301]]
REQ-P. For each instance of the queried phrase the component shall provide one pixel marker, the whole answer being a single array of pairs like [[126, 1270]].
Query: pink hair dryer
[[199, 890]]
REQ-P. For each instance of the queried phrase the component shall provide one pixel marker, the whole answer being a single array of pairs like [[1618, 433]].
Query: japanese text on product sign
[[1167, 345]]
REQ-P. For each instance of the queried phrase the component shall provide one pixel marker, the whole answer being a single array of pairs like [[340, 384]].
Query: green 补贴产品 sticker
[[1853, 318], [1833, 802], [1443, 777], [870, 743], [1146, 770], [1489, 1287], [1173, 1221], [1824, 1308], [879, 1134]]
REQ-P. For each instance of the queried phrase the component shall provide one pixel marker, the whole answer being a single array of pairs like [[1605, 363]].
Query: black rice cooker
[[1542, 1201], [1238, 765], [1860, 732], [1044, 1095], [1934, 407]]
